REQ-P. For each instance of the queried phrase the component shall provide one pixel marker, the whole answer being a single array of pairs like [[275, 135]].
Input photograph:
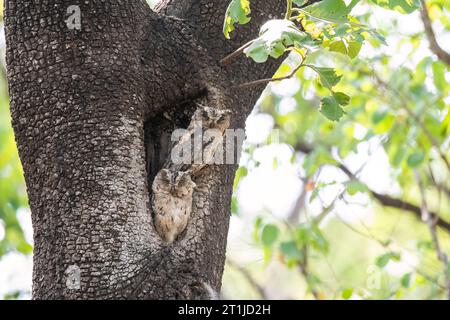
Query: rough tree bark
[[87, 108]]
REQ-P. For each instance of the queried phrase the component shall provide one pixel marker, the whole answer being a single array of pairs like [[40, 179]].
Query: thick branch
[[206, 18], [434, 45]]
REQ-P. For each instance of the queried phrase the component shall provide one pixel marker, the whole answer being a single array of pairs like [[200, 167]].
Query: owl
[[207, 125], [172, 203], [211, 118], [214, 122]]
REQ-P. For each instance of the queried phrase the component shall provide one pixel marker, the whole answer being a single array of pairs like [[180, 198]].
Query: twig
[[441, 187], [294, 219], [403, 101], [428, 218], [434, 45], [265, 81], [233, 56], [294, 215], [260, 289], [329, 208], [309, 3], [304, 270], [289, 9], [385, 200], [386, 245]]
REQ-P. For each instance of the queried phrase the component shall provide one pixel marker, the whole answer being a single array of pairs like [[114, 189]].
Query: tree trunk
[[89, 109]]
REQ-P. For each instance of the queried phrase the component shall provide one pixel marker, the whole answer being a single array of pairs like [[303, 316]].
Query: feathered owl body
[[211, 124], [173, 186], [172, 203]]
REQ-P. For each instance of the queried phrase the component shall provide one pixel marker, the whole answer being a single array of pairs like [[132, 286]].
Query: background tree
[[331, 248]]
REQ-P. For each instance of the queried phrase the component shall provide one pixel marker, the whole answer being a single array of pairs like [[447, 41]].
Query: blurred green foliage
[[12, 186], [399, 103], [399, 107]]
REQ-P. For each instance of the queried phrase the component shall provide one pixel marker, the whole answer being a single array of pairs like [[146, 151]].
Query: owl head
[[177, 183], [212, 117]]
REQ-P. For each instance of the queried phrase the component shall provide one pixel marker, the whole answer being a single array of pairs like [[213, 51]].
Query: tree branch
[[429, 220], [434, 45], [233, 56], [404, 100], [385, 200], [248, 276], [205, 18], [268, 80]]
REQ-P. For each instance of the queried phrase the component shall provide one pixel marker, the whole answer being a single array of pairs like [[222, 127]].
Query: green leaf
[[352, 5], [379, 115], [327, 76], [24, 247], [341, 98], [275, 163], [318, 240], [354, 186], [234, 205], [398, 155], [405, 281], [269, 234], [274, 38], [351, 48], [415, 159], [240, 173], [290, 250], [302, 234], [237, 12], [12, 295], [267, 254], [384, 259], [257, 51], [332, 10], [439, 76], [402, 6], [347, 293], [256, 230], [331, 109], [338, 46], [354, 47]]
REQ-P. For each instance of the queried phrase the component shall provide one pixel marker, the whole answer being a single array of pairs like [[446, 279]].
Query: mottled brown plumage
[[207, 125], [173, 186], [172, 203], [211, 118]]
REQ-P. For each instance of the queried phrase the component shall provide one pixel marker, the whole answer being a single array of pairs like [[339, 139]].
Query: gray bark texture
[[87, 108]]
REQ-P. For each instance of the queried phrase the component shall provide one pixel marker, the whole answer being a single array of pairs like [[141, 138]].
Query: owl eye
[[205, 114]]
